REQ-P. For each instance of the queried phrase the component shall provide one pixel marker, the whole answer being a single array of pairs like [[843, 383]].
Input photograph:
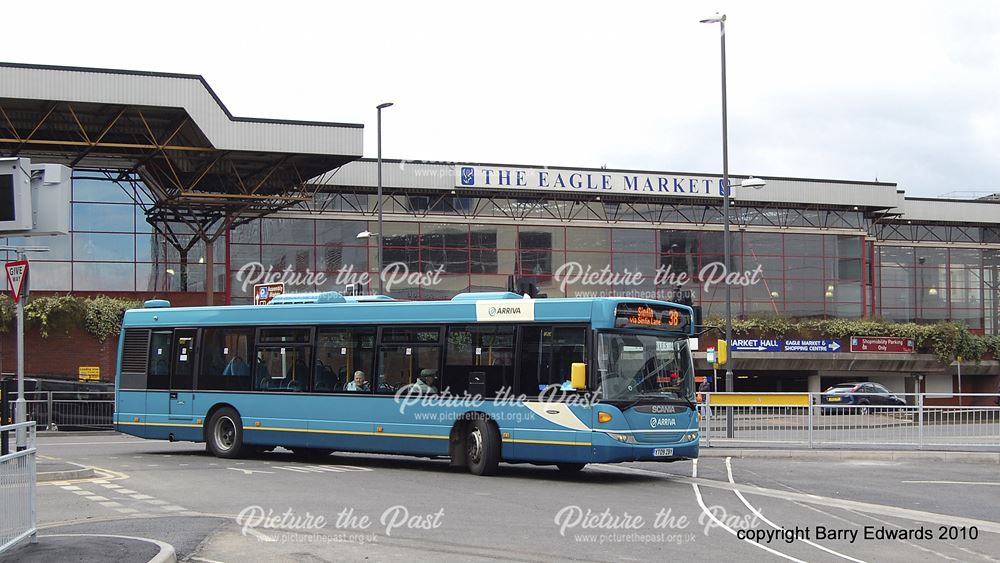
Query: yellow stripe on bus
[[159, 424], [759, 399], [551, 442], [349, 432]]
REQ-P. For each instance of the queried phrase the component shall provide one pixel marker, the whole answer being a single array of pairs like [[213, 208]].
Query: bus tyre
[[482, 448], [225, 434], [570, 467]]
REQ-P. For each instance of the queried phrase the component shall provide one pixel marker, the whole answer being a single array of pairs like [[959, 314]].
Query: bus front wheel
[[225, 434], [482, 448], [570, 467]]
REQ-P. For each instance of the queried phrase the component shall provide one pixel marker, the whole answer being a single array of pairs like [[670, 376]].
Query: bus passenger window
[[404, 365], [547, 355], [284, 368], [480, 360], [340, 354], [225, 359]]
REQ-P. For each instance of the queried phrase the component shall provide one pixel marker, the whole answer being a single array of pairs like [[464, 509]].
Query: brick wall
[[61, 355]]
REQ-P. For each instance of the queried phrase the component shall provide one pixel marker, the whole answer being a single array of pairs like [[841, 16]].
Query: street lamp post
[[721, 20], [726, 193], [379, 109]]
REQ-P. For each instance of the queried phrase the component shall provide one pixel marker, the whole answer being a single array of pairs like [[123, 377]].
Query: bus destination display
[[645, 315]]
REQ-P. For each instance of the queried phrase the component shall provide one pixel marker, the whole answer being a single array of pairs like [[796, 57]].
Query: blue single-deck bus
[[483, 378]]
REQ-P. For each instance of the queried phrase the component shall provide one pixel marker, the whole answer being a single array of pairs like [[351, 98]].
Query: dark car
[[858, 396]]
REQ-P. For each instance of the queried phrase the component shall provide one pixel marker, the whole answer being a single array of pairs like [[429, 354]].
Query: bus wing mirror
[[578, 376]]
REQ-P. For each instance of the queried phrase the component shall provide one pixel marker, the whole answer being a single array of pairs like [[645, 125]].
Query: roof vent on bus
[[367, 298], [486, 295], [156, 304], [303, 298]]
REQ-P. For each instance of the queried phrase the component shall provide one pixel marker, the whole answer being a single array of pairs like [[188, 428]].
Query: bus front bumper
[[608, 450]]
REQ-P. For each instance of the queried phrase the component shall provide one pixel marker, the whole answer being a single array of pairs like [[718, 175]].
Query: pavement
[[92, 548], [81, 531]]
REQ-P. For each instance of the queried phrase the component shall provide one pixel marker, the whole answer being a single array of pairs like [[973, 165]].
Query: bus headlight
[[690, 436], [623, 438]]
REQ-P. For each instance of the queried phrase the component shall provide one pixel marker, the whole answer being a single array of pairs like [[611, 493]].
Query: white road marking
[[986, 483], [830, 502], [83, 492], [248, 471], [111, 486], [141, 497], [127, 510], [173, 508], [110, 504], [714, 518], [729, 472], [97, 497], [47, 444], [157, 502], [202, 559], [125, 491], [70, 487], [320, 468], [859, 525]]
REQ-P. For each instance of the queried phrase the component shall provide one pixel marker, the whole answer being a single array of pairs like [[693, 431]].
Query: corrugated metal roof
[[190, 92]]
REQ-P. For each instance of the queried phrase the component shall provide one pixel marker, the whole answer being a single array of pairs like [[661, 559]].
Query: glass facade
[[111, 247], [927, 283], [436, 246]]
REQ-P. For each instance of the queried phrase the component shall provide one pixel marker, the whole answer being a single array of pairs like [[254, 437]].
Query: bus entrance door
[[182, 376]]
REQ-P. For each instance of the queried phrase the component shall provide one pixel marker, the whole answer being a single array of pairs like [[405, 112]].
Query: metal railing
[[811, 420], [18, 519], [52, 410]]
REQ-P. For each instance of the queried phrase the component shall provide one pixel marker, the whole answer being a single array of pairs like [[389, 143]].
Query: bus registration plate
[[663, 452]]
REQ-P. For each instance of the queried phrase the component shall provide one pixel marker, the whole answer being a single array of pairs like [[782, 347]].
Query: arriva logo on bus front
[[655, 422]]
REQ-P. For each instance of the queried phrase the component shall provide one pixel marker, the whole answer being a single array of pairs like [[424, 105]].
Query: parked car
[[860, 394]]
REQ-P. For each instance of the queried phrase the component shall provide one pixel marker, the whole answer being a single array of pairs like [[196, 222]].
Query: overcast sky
[[905, 92]]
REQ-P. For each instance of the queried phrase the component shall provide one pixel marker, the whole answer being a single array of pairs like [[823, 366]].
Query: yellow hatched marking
[[762, 399]]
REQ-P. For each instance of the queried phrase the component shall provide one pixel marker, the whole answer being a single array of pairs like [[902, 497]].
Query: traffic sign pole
[[21, 407], [20, 291]]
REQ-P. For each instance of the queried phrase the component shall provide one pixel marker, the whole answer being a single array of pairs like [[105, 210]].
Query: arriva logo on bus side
[[654, 422], [524, 310]]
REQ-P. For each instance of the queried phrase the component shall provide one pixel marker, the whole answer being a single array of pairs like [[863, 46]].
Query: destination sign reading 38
[[646, 315]]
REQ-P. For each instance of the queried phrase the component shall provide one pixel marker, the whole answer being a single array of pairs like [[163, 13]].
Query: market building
[[161, 167]]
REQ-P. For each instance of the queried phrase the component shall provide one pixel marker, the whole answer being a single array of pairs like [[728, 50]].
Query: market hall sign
[[585, 181]]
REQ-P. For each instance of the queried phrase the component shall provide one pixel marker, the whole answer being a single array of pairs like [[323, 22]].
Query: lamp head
[[717, 18], [364, 234], [383, 106], [751, 182]]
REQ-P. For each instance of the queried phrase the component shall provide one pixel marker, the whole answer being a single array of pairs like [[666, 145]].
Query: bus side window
[[547, 355], [225, 359], [159, 359], [340, 353], [479, 360]]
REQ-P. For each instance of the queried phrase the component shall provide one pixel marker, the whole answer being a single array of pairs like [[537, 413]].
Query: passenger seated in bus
[[425, 383], [237, 366], [263, 374], [359, 383]]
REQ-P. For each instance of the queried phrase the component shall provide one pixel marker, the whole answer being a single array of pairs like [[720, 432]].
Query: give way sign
[[17, 272]]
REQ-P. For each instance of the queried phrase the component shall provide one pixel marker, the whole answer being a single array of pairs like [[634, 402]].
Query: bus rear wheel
[[570, 467], [225, 434], [482, 448]]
